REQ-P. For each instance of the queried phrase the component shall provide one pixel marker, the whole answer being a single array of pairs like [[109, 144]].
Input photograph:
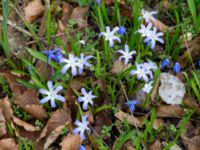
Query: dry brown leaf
[[33, 10], [61, 27], [80, 15], [193, 143], [158, 123], [170, 111], [58, 120], [160, 25], [193, 48], [44, 69], [8, 144], [30, 103], [90, 116], [139, 122], [128, 146], [191, 104], [166, 4], [3, 130], [70, 142], [118, 67], [6, 108], [155, 146], [15, 87], [66, 12], [54, 135], [25, 125]]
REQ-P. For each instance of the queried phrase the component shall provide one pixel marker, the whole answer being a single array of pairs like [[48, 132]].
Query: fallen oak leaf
[[191, 104], [170, 111], [6, 108], [155, 146], [119, 66], [30, 103], [193, 143], [54, 135], [33, 10], [79, 14], [16, 88], [3, 130], [25, 125], [58, 120], [8, 144], [66, 12], [139, 122], [70, 142]]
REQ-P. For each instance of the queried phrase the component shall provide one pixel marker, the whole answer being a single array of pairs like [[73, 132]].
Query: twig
[[127, 99], [14, 25]]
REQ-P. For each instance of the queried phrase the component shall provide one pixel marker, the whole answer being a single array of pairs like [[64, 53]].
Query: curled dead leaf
[[160, 25], [8, 144], [16, 88], [118, 67], [58, 120], [80, 15], [191, 104], [70, 142], [44, 69], [158, 123], [6, 108], [192, 143], [30, 103], [33, 10], [193, 49], [170, 111], [66, 12], [155, 146], [139, 122], [25, 125], [3, 130]]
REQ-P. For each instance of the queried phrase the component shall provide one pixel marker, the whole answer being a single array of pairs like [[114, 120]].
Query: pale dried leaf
[[118, 67], [155, 146], [80, 15], [66, 12], [61, 27], [193, 143], [158, 123], [6, 108], [70, 142], [191, 104], [54, 135], [160, 25], [25, 125], [33, 10], [58, 118], [8, 144], [90, 116], [37, 111], [44, 69], [3, 130], [170, 111], [139, 122], [30, 103], [16, 88], [193, 49]]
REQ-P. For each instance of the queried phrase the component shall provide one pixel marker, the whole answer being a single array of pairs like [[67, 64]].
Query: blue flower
[[122, 30], [81, 147], [82, 127], [131, 104], [177, 68], [165, 63], [58, 57], [198, 63], [87, 98], [50, 54], [52, 94], [98, 2]]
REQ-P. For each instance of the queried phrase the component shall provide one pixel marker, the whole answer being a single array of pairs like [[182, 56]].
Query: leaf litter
[[108, 117]]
